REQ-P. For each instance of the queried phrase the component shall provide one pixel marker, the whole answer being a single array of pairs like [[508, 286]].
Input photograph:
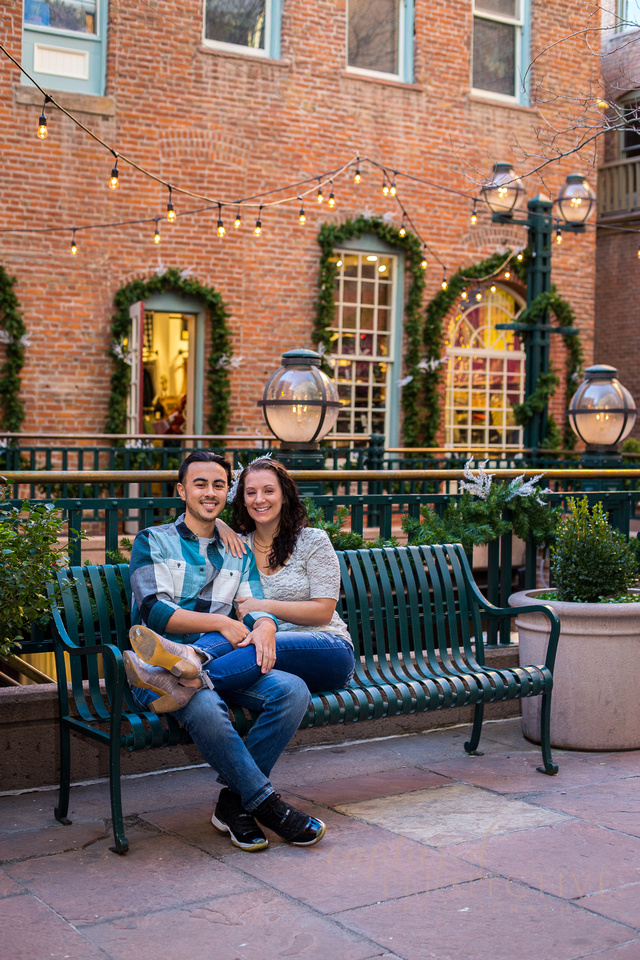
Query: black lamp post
[[504, 194], [300, 405]]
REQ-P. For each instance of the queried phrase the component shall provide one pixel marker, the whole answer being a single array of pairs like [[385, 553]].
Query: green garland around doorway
[[547, 383], [218, 389], [331, 236], [13, 333]]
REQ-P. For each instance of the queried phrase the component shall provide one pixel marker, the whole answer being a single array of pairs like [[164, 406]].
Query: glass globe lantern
[[602, 412], [505, 192], [576, 199], [300, 403]]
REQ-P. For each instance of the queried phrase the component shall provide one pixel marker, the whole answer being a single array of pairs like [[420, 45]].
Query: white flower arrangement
[[405, 380], [138, 444], [479, 486], [231, 362]]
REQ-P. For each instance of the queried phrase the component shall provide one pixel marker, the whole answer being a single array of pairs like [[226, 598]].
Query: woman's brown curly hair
[[292, 519]]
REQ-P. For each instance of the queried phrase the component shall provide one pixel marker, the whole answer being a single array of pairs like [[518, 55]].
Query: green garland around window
[[218, 389], [13, 333], [547, 383], [433, 338], [333, 235]]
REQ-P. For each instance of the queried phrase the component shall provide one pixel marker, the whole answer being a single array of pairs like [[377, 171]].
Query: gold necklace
[[261, 546]]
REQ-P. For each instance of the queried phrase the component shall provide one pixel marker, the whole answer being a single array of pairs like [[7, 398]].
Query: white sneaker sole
[[248, 847]]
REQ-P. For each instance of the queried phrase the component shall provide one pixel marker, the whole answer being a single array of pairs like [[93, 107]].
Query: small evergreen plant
[[591, 561], [485, 511], [30, 553]]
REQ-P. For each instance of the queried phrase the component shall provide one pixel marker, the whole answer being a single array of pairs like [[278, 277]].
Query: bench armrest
[[544, 609]]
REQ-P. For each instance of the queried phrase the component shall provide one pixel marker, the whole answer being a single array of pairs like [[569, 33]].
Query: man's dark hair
[[203, 456]]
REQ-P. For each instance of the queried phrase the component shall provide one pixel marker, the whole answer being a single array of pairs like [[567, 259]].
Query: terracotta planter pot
[[595, 703]]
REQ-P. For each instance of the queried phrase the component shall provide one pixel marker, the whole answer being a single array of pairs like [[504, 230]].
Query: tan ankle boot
[[178, 658], [173, 695]]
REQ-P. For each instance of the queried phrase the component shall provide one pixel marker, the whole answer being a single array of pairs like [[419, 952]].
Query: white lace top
[[311, 572]]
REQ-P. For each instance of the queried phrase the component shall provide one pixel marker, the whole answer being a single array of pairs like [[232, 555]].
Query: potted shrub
[[30, 551], [597, 673]]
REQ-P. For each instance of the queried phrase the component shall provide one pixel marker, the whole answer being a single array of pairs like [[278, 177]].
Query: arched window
[[485, 374]]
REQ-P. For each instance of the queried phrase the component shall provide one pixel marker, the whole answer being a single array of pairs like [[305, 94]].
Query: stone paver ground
[[428, 854]]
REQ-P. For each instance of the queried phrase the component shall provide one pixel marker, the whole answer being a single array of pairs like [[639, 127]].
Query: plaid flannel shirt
[[168, 573]]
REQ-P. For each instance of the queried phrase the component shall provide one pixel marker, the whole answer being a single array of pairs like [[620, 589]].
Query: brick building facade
[[226, 114], [617, 340]]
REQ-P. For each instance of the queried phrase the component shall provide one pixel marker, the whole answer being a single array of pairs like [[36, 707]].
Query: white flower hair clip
[[237, 473]]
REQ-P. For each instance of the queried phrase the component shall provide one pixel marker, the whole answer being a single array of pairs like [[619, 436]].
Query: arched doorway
[[485, 374]]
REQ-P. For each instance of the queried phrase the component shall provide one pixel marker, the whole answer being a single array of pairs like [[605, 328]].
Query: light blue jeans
[[313, 659], [281, 701]]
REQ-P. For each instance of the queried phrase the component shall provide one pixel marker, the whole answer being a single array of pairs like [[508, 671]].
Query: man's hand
[[235, 632], [263, 637]]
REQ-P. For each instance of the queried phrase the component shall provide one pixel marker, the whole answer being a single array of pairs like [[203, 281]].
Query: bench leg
[[549, 767], [60, 812], [472, 745], [115, 789]]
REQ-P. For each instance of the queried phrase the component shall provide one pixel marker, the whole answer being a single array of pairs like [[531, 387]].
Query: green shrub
[[591, 561], [30, 553]]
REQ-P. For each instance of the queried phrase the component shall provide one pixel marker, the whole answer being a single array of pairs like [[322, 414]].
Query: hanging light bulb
[[392, 188], [402, 232], [445, 282], [156, 236], [221, 229], [357, 176], [171, 213], [558, 235], [478, 295], [474, 216], [74, 245], [42, 133], [258, 227], [319, 195], [463, 294], [302, 217], [520, 257], [493, 288], [424, 262], [638, 253], [113, 179], [332, 200], [385, 186], [237, 223], [507, 274]]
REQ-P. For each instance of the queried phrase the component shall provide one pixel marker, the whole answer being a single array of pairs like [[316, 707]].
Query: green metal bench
[[415, 614]]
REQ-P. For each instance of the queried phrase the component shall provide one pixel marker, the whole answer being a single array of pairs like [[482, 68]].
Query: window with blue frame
[[64, 44], [380, 38], [500, 48], [244, 26]]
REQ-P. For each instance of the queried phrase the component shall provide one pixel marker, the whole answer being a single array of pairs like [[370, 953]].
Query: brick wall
[[228, 126]]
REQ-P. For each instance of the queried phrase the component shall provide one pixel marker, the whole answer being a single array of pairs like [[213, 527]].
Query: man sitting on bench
[[184, 584]]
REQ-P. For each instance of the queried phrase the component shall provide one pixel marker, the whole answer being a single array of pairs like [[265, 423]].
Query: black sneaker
[[288, 823], [230, 817]]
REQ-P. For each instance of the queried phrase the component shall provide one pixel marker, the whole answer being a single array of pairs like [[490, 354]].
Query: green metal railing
[[375, 510]]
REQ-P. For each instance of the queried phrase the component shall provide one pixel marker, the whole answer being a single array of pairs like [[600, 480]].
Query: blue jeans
[[281, 701], [321, 659]]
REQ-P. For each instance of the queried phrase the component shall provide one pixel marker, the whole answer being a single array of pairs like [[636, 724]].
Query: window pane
[[373, 35], [631, 132], [76, 15], [494, 56], [630, 11], [236, 21], [505, 8]]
